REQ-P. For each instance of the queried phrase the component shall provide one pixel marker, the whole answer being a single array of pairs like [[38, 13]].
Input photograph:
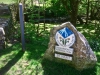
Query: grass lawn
[[14, 61], [6, 1]]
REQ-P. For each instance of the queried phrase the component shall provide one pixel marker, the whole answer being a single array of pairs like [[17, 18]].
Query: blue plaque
[[65, 37]]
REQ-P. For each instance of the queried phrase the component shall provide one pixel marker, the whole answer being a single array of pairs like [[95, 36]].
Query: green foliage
[[56, 7], [82, 7], [95, 44], [51, 8]]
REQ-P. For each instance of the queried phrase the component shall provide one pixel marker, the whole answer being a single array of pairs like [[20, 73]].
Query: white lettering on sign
[[63, 50], [63, 56], [65, 38]]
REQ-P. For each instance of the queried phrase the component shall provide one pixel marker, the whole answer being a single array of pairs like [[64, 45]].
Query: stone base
[[82, 57]]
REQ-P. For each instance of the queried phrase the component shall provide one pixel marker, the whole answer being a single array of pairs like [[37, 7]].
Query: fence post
[[21, 16]]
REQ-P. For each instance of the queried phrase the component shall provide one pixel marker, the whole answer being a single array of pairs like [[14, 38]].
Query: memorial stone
[[67, 45]]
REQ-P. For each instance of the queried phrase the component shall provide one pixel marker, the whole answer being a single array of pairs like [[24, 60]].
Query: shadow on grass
[[4, 69], [9, 49], [5, 51], [54, 68], [35, 51], [37, 47]]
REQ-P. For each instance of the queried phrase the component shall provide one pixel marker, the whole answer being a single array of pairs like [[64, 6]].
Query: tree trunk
[[74, 11], [87, 13], [72, 8]]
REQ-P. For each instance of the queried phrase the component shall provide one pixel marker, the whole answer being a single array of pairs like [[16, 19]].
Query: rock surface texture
[[82, 56], [4, 9]]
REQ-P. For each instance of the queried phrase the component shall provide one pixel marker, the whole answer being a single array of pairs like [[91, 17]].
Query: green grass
[[4, 16], [7, 1], [14, 61]]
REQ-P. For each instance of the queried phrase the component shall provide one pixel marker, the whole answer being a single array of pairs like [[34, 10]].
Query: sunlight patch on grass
[[79, 27], [98, 63], [86, 30], [82, 31], [98, 70], [9, 44], [92, 31], [7, 1], [97, 53], [6, 58], [26, 67]]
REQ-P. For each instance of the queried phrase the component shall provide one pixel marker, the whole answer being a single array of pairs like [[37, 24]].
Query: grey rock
[[2, 38], [83, 57]]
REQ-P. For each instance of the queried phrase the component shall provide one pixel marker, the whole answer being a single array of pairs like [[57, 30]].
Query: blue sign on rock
[[65, 37]]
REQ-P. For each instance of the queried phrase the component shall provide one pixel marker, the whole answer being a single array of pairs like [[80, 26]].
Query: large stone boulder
[[67, 45]]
